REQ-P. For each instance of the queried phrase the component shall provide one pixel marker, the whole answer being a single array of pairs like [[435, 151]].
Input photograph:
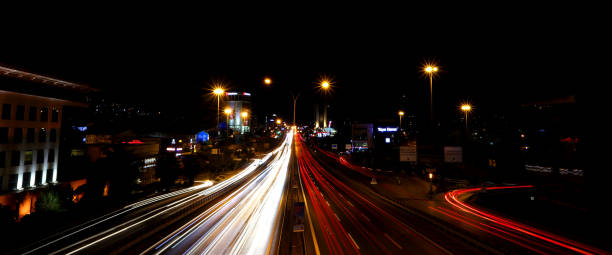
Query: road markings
[[337, 216], [355, 243], [395, 243]]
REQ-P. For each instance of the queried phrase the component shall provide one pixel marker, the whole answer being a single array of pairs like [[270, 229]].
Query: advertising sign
[[334, 146], [408, 153], [453, 154]]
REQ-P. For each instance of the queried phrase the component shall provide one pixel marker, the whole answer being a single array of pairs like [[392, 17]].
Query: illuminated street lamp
[[430, 175], [325, 85], [466, 108], [227, 112], [401, 114], [430, 70], [218, 91], [267, 81], [278, 121]]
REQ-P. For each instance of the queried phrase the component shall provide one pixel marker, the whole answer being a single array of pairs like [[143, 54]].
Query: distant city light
[[387, 140]]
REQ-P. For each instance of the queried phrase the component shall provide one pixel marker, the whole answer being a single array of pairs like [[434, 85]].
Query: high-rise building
[[240, 116]]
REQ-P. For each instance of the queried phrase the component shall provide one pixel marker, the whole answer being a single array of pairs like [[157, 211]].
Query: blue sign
[[387, 129], [201, 137]]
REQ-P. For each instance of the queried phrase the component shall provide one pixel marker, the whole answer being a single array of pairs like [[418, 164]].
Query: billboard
[[453, 154], [408, 152]]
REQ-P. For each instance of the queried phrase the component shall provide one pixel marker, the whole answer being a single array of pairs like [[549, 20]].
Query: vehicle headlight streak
[[101, 236], [245, 222]]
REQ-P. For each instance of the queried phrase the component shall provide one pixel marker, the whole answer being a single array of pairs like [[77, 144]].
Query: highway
[[447, 221], [350, 219], [200, 219]]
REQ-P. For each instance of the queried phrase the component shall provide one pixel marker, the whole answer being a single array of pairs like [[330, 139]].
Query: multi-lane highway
[[446, 223], [351, 219], [237, 215]]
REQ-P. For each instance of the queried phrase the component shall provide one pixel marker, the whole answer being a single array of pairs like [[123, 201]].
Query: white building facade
[[29, 140]]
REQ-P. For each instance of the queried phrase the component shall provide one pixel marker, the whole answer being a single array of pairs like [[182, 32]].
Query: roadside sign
[[453, 154], [348, 146], [298, 213], [334, 146], [408, 153]]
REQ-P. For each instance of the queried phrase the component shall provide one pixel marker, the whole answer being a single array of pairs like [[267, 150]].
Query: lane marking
[[395, 243], [355, 243]]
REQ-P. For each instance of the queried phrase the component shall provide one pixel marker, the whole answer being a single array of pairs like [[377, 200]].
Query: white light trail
[[244, 223]]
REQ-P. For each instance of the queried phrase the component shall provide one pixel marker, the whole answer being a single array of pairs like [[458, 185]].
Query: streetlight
[[466, 108], [431, 70], [267, 81], [227, 112], [218, 91], [430, 175], [278, 121], [401, 114]]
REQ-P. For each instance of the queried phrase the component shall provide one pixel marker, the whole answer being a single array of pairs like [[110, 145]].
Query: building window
[[2, 161], [51, 155], [50, 175], [18, 135], [6, 111], [26, 179], [33, 112], [40, 156], [38, 177], [42, 135], [54, 115], [30, 135], [53, 135], [20, 113], [28, 158], [3, 135], [13, 181], [44, 114], [15, 158]]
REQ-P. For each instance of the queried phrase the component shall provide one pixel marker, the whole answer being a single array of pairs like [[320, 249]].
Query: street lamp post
[[295, 98], [401, 114], [430, 70], [218, 92], [466, 108]]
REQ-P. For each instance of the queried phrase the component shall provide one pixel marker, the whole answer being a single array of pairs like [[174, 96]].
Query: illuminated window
[[28, 158]]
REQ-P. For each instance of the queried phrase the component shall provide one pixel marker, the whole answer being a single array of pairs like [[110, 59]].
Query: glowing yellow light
[[401, 113], [428, 69], [218, 91], [466, 107], [227, 111], [278, 121], [430, 176], [435, 69], [267, 81], [325, 84], [245, 114]]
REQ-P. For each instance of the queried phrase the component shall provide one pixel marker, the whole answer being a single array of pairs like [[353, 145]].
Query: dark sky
[[372, 65]]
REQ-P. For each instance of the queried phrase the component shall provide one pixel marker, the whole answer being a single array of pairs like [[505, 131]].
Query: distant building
[[362, 136], [240, 103]]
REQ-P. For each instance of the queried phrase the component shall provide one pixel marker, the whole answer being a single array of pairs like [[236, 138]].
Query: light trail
[[203, 192], [245, 222], [521, 231]]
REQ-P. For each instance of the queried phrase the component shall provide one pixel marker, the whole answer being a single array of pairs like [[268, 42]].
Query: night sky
[[372, 68]]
